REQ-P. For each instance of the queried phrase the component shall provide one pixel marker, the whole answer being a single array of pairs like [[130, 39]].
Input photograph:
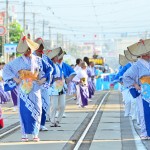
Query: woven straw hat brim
[[61, 56], [53, 53], [140, 48], [123, 60], [39, 41], [129, 56], [23, 45]]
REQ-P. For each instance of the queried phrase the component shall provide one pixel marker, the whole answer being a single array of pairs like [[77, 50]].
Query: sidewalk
[[10, 117]]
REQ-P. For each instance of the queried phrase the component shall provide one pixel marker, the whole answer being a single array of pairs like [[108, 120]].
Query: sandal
[[55, 125], [144, 137], [36, 139], [24, 139]]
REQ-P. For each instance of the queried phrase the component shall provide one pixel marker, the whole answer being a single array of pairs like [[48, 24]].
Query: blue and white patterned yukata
[[124, 90], [139, 69], [30, 103], [68, 71], [45, 89]]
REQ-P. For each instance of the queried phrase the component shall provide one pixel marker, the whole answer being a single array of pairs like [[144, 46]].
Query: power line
[[95, 13]]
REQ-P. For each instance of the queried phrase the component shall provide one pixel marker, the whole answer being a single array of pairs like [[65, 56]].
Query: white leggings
[[58, 102]]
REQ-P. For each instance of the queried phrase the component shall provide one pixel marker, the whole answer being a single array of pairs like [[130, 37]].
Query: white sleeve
[[77, 77]]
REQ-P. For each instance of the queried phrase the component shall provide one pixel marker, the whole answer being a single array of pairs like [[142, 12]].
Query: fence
[[107, 80]]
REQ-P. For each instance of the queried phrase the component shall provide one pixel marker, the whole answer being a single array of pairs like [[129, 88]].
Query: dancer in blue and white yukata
[[68, 71], [135, 114], [28, 73], [13, 94], [125, 91], [57, 90], [138, 76], [45, 89]]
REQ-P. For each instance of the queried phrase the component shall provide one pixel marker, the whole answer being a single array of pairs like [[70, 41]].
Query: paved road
[[109, 129]]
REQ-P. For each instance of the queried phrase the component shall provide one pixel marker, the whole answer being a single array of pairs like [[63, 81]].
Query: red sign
[[2, 30], [1, 20], [2, 14]]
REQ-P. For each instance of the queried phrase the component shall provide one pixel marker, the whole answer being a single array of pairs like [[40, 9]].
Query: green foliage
[[15, 31], [18, 54]]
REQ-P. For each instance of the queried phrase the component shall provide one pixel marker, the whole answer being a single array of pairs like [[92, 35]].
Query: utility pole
[[57, 40], [43, 27], [7, 23], [50, 40], [33, 25], [24, 16], [62, 40], [6, 56]]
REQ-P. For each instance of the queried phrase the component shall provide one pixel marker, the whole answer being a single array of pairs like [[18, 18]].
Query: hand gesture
[[137, 86], [17, 80]]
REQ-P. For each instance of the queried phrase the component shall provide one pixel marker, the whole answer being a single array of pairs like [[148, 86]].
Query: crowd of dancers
[[134, 77], [38, 82]]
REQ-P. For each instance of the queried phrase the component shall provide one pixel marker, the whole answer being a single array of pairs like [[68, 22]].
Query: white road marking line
[[7, 132], [138, 143], [17, 127], [89, 125]]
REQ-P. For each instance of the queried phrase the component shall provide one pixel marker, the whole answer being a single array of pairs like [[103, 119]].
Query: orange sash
[[25, 74], [27, 80], [145, 79]]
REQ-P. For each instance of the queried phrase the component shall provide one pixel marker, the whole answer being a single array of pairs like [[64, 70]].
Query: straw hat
[[129, 56], [53, 53], [140, 48], [122, 60], [39, 41], [26, 43], [83, 64], [62, 54]]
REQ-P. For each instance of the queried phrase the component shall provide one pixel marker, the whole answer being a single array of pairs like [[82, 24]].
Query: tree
[[15, 31]]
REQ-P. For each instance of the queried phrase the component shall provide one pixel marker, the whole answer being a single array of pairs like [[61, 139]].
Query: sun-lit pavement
[[111, 131]]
